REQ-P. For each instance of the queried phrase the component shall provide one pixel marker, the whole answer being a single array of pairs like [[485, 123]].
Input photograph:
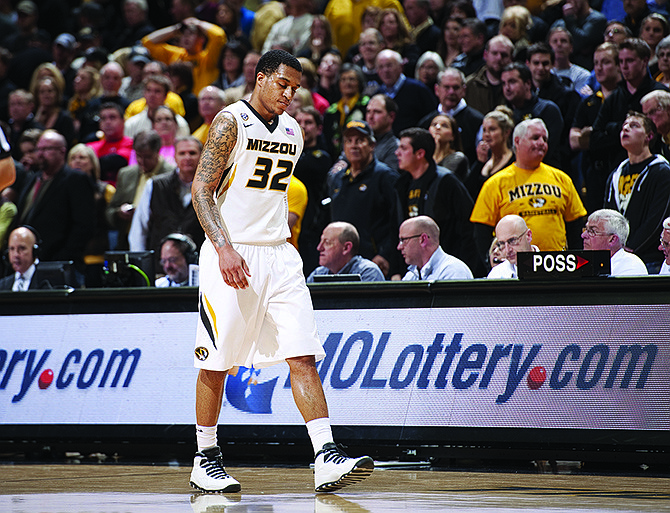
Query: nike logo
[[247, 126]]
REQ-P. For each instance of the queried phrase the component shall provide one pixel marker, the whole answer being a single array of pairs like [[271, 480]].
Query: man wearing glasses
[[608, 229], [419, 243], [58, 202], [177, 251], [513, 236]]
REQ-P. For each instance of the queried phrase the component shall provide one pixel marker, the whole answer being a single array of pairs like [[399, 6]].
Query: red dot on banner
[[536, 377], [46, 378]]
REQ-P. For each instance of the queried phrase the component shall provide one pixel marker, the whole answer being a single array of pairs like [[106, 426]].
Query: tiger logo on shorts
[[201, 353]]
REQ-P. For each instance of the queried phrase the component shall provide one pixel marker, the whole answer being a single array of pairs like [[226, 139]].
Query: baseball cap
[[361, 127], [66, 41], [27, 7], [139, 55]]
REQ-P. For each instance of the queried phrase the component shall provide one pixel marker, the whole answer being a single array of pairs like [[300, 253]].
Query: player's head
[[270, 61], [278, 76]]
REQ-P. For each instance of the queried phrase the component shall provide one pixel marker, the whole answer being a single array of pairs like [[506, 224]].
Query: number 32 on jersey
[[266, 171]]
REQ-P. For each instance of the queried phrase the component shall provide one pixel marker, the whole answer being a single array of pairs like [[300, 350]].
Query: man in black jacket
[[361, 193], [59, 203], [427, 189], [549, 86]]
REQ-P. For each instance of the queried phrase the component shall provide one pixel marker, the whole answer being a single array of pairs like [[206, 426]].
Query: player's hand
[[233, 268]]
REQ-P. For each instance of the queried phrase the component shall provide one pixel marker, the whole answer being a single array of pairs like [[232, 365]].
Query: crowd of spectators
[[410, 109]]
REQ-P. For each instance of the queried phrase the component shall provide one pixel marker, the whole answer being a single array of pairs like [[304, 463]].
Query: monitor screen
[[129, 269], [335, 278], [55, 275]]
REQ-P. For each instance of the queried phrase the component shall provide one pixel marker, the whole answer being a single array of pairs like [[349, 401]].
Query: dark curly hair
[[270, 62]]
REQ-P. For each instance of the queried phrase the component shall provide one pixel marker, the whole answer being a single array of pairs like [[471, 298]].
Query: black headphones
[[38, 239], [36, 246], [185, 244]]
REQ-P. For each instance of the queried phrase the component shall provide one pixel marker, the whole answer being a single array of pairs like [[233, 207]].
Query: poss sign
[[562, 264]]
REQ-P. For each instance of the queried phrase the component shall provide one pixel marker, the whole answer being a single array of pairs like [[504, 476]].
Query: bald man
[[338, 254], [513, 236], [22, 244], [419, 243]]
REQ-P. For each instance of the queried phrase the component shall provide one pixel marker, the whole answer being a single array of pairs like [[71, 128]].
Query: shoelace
[[214, 468], [333, 454]]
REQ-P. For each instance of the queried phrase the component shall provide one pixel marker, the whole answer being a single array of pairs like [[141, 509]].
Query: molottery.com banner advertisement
[[598, 367]]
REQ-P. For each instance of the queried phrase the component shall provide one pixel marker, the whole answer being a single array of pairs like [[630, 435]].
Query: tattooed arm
[[220, 143]]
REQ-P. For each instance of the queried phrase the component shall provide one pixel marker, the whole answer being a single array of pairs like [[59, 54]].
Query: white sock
[[319, 433], [206, 436]]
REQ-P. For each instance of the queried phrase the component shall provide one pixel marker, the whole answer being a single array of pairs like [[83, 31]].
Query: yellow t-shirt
[[297, 203], [205, 62], [201, 132], [545, 197], [173, 101]]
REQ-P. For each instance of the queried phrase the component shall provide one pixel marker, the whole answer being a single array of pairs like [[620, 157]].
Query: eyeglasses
[[403, 240], [591, 232], [514, 241], [665, 244], [651, 112], [169, 260], [49, 148], [613, 31]]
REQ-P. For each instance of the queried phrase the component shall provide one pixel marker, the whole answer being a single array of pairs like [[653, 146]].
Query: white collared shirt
[[22, 281]]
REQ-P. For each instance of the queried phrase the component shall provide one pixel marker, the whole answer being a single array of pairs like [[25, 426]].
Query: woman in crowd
[[493, 152], [48, 108], [663, 56], [308, 82], [351, 106], [83, 158], [448, 146], [396, 34], [449, 47], [229, 20], [320, 39], [515, 23], [86, 87], [427, 68], [652, 29], [49, 70], [165, 123], [232, 57]]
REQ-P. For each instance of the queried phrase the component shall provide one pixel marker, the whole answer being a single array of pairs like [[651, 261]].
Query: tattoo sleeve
[[220, 143]]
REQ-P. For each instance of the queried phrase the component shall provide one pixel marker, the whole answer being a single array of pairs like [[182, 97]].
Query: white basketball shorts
[[264, 324]]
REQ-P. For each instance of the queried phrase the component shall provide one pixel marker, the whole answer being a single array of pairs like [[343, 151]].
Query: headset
[[36, 245], [185, 244], [38, 239]]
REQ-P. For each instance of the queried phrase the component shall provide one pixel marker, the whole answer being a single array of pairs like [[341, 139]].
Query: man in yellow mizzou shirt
[[544, 196]]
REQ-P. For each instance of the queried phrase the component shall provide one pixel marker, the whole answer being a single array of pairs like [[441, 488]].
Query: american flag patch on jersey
[[289, 131]]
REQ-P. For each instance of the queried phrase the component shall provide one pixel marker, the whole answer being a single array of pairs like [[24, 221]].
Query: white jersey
[[252, 194]]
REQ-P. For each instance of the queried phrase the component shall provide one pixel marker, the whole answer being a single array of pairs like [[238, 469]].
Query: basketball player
[[255, 308]]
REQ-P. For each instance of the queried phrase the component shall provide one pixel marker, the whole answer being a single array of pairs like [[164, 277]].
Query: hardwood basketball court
[[75, 488]]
